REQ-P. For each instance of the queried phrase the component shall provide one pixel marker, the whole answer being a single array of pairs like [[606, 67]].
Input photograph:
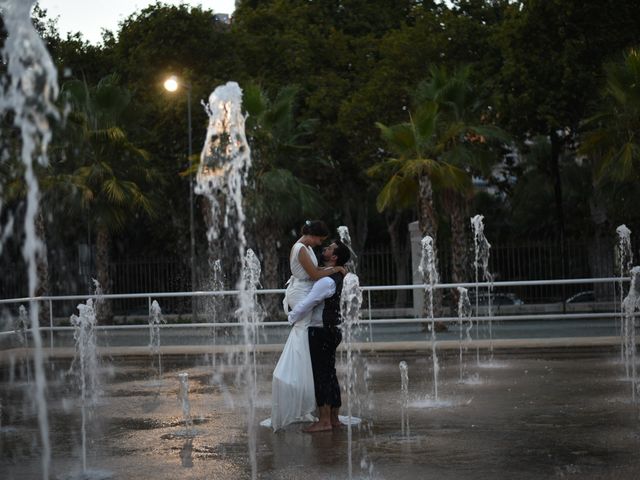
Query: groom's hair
[[341, 252]]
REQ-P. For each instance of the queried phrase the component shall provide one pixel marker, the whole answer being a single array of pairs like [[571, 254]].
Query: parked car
[[582, 297], [496, 299]]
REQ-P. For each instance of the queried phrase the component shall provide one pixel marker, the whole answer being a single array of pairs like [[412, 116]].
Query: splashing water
[[29, 89], [345, 237], [155, 319], [250, 315], [85, 365], [215, 307], [464, 311], [427, 269], [21, 326], [625, 260], [482, 250], [350, 302], [404, 397], [183, 398], [630, 305], [225, 161]]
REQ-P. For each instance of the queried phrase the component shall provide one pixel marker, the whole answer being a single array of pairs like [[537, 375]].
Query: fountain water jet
[[183, 397], [155, 319], [85, 366], [625, 259], [404, 397], [225, 161], [630, 305], [29, 90], [482, 250], [427, 269], [250, 316], [345, 237], [350, 303], [464, 311], [214, 303]]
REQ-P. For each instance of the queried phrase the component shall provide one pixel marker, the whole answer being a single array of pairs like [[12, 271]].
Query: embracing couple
[[305, 375]]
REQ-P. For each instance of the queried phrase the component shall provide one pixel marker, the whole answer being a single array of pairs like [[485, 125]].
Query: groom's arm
[[321, 290]]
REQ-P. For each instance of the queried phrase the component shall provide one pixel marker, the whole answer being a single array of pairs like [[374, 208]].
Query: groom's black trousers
[[323, 342]]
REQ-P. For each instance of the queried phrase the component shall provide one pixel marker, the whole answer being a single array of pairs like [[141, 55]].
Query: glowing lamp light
[[171, 84]]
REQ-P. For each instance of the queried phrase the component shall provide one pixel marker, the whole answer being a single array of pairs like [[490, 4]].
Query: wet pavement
[[529, 413]]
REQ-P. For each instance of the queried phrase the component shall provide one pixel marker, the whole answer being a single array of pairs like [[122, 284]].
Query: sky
[[91, 16]]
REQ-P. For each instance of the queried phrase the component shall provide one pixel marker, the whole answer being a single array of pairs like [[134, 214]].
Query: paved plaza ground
[[544, 410]]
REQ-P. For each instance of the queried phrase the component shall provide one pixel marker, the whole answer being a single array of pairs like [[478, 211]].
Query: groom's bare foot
[[319, 427]]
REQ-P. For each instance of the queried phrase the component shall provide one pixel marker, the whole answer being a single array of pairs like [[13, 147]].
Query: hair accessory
[[307, 223]]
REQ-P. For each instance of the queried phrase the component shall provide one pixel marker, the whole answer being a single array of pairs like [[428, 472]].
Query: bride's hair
[[317, 228]]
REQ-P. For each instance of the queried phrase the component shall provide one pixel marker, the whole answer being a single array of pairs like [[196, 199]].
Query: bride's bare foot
[[318, 427]]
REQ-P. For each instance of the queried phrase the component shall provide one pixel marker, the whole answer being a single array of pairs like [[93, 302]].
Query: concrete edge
[[6, 356]]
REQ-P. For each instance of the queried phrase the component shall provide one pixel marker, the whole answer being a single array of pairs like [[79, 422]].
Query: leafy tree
[[109, 176], [279, 197], [158, 41], [330, 50], [552, 52]]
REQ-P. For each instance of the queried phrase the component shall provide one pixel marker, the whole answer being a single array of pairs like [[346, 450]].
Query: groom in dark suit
[[325, 336]]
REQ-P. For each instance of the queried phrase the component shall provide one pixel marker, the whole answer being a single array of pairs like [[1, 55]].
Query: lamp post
[[172, 84]]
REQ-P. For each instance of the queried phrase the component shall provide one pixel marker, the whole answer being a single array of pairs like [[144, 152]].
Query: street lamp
[[172, 84]]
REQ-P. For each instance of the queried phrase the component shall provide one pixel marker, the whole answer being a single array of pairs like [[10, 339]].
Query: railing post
[[50, 324], [370, 323]]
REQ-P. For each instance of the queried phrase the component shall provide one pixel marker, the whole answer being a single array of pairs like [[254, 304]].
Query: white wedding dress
[[292, 392]]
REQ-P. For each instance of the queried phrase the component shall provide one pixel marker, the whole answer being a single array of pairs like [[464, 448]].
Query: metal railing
[[369, 316]]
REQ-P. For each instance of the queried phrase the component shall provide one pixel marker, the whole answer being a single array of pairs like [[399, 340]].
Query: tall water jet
[[625, 260], [464, 311], [225, 161], [630, 305], [345, 237], [21, 329], [350, 302], [215, 306], [29, 89], [85, 365], [482, 250], [21, 325], [183, 398], [404, 397], [155, 319], [427, 269], [250, 315]]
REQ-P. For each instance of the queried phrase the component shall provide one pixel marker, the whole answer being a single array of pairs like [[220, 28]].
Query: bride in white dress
[[292, 391]]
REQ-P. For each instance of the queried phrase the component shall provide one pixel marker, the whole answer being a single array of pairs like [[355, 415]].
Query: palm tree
[[107, 174], [414, 168], [470, 144], [436, 151]]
